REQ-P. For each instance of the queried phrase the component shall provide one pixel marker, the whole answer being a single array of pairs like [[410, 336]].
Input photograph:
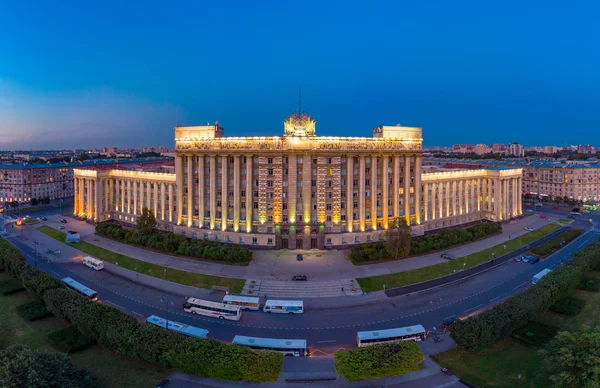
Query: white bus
[[284, 306], [409, 333], [537, 277], [245, 302], [289, 347], [93, 263], [212, 309], [80, 288]]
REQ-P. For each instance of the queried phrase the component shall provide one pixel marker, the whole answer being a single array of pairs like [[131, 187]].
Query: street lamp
[[464, 265], [167, 302]]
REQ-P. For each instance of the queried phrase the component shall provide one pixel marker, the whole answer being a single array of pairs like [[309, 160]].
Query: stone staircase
[[287, 289]]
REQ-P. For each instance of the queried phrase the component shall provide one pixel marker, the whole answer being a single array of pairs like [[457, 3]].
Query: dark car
[[534, 260], [63, 221], [299, 278], [446, 322], [44, 219], [299, 257], [447, 256]]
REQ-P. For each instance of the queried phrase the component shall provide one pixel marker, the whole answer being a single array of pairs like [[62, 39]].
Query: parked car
[[542, 217], [63, 221], [534, 260], [44, 219], [299, 257], [538, 205], [526, 259], [519, 258], [60, 227], [528, 209], [447, 256], [446, 322], [529, 228], [300, 278]]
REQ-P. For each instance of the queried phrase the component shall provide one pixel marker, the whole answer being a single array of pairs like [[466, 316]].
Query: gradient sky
[[93, 74]]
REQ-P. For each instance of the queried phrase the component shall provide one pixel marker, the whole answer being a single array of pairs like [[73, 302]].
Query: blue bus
[[289, 347], [188, 330], [80, 288]]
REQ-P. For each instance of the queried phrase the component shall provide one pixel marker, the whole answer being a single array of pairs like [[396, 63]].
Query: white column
[[180, 189], [374, 192], [171, 201], [385, 189], [425, 202], [162, 201], [396, 184], [249, 194], [190, 193], [76, 196], [201, 191], [97, 207], [440, 195], [349, 192], [122, 188], [361, 193], [520, 194], [236, 193], [417, 193], [224, 190], [407, 188], [454, 197], [213, 191], [155, 194]]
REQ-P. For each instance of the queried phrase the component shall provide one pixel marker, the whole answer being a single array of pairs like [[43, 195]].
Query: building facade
[[299, 190]]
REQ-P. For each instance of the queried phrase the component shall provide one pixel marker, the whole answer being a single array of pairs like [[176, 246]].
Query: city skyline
[[457, 70]]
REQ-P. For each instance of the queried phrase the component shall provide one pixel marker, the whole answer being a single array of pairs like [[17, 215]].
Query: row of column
[[87, 207]]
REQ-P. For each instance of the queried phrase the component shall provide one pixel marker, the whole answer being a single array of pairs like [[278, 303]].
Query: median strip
[[400, 279], [158, 271]]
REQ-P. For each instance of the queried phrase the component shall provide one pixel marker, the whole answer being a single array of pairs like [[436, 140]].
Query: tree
[[21, 366], [398, 238], [146, 224], [572, 359], [33, 201]]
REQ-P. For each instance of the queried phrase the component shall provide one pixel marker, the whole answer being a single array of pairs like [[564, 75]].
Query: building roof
[[86, 163], [513, 163]]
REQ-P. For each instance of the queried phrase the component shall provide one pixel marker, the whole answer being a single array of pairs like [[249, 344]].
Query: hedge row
[[556, 243], [568, 306], [378, 360], [33, 311], [11, 286], [69, 339], [122, 333], [589, 283], [483, 330], [177, 244], [535, 333], [365, 253]]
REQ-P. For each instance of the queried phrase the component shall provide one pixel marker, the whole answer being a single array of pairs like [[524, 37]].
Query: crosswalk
[[596, 229]]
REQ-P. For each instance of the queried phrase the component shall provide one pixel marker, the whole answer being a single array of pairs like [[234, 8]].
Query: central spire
[[299, 123]]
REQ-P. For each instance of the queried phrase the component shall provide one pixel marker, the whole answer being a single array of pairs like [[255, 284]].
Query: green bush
[[479, 332], [33, 311], [210, 358], [589, 283], [10, 286], [64, 303], [555, 243], [151, 343], [378, 360], [568, 306], [369, 252], [38, 285], [176, 244], [535, 333], [69, 339]]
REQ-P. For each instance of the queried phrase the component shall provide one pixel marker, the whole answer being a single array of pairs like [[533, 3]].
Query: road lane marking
[[499, 296], [133, 312], [520, 285], [324, 342], [473, 308], [114, 304]]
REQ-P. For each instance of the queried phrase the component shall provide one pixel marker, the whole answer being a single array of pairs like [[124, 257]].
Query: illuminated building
[[299, 190]]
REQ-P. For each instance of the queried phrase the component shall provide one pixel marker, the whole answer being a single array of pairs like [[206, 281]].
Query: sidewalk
[[282, 265]]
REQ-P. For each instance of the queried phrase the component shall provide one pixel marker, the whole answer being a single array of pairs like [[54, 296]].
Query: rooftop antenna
[[299, 102]]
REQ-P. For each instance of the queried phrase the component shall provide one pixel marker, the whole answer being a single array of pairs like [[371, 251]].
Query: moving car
[[542, 217], [447, 256], [63, 221], [299, 257], [300, 278], [519, 258], [60, 227], [529, 228]]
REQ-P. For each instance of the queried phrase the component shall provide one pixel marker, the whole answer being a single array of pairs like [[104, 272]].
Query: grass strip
[[399, 279], [158, 271]]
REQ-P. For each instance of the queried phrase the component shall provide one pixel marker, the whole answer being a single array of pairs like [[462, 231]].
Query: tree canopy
[[146, 224], [398, 238]]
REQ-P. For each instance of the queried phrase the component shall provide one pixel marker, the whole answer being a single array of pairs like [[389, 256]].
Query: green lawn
[[565, 220], [158, 271], [498, 365], [375, 283], [111, 369]]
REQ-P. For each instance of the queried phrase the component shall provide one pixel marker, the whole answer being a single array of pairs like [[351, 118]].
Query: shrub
[[419, 245], [64, 303], [21, 366], [151, 343], [555, 243], [378, 360], [481, 331], [589, 283], [568, 306], [211, 358], [69, 339], [11, 286], [40, 284], [535, 333], [107, 325], [33, 311]]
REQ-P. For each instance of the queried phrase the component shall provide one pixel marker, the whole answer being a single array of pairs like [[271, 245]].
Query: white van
[[93, 263]]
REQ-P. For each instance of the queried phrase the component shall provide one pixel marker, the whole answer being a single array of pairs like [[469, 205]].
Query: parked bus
[[538, 276], [80, 288], [93, 263], [245, 302], [284, 306], [212, 309], [188, 330], [409, 333], [289, 347]]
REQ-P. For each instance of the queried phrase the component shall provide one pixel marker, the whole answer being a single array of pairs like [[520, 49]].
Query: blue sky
[[93, 74]]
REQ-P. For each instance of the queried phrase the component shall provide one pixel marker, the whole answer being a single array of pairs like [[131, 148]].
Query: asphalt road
[[326, 330]]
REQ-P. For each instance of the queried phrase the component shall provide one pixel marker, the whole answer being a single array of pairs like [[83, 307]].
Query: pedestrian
[[342, 289], [265, 296]]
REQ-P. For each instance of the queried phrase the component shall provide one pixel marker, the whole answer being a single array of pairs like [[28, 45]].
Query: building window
[[254, 241], [270, 160], [270, 241]]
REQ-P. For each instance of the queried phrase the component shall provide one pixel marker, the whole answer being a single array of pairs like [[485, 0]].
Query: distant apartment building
[[498, 148], [109, 150], [22, 182], [587, 149], [516, 149], [463, 148], [482, 149], [575, 180], [550, 150]]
